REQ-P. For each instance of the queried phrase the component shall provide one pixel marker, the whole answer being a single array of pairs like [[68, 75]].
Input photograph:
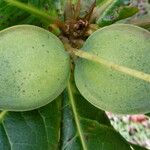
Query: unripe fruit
[[110, 90], [34, 68]]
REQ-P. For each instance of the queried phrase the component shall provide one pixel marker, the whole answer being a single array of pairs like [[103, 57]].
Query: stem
[[31, 9], [75, 113], [111, 65]]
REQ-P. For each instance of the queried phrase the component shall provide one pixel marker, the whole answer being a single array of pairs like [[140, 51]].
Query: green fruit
[[110, 90], [34, 68]]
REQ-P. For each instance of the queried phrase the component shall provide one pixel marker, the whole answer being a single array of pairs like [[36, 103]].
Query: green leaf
[[10, 15], [32, 130], [101, 2], [118, 10], [85, 127]]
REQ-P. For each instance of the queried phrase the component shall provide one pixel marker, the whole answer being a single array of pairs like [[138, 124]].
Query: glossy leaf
[[34, 68], [10, 15], [92, 129], [101, 2], [119, 9], [110, 89], [38, 129]]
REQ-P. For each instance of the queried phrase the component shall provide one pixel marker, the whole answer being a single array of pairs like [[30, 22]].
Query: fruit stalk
[[132, 72]]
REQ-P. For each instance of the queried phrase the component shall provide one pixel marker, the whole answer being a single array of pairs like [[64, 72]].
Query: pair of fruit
[[35, 68]]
